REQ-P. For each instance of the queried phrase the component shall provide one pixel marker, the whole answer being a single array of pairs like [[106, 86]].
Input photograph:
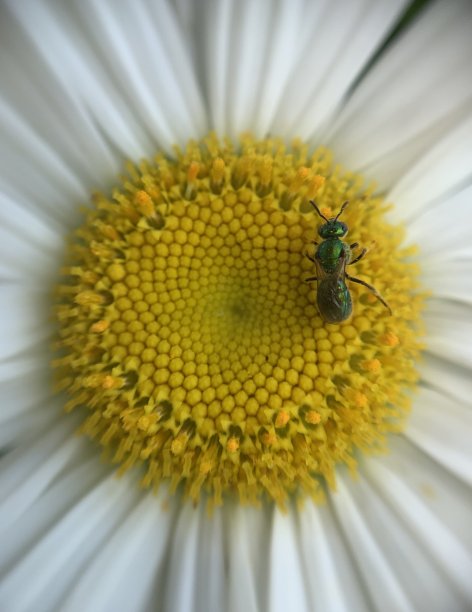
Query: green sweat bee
[[331, 258]]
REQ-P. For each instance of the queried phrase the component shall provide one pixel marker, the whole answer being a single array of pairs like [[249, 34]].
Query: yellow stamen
[[101, 251], [269, 438], [108, 231], [372, 365], [192, 174], [178, 444], [390, 339], [89, 298], [282, 419], [218, 172], [112, 382], [314, 185], [193, 170], [232, 445], [313, 417], [300, 177], [144, 204], [100, 326], [360, 399], [265, 170], [89, 277]]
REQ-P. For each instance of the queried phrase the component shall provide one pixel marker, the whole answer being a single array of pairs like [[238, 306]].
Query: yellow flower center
[[189, 335]]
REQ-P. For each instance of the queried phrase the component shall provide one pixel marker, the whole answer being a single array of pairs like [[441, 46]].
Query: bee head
[[332, 229]]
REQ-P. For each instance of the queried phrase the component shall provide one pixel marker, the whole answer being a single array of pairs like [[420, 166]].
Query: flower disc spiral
[[190, 338]]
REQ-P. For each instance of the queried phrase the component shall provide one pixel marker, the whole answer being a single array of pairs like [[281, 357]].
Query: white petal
[[27, 471], [25, 366], [211, 576], [68, 547], [214, 36], [443, 169], [384, 586], [181, 582], [442, 228], [27, 405], [123, 575], [249, 54], [448, 279], [256, 59], [248, 537], [417, 92], [442, 427], [385, 548], [33, 171], [196, 577], [74, 69], [449, 326], [19, 429], [48, 127], [250, 33], [439, 539], [447, 377], [49, 508], [24, 320], [19, 398], [191, 117], [288, 576], [447, 497], [150, 68], [135, 98], [339, 39], [331, 577], [29, 245], [282, 51], [187, 12]]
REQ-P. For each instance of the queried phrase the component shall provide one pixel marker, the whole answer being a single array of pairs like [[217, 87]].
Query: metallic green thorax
[[330, 252]]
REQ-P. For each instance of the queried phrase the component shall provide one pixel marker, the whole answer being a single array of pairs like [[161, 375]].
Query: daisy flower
[[172, 315]]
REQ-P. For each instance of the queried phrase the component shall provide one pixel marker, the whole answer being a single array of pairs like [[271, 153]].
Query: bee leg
[[312, 279], [371, 288], [360, 256], [354, 245], [310, 257]]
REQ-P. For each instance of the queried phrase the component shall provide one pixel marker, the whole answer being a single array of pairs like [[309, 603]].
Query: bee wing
[[340, 271], [320, 273]]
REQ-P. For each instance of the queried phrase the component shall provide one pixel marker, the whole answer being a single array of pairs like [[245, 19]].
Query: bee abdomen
[[334, 300]]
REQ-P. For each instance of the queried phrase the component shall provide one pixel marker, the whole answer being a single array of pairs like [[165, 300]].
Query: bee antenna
[[341, 210], [312, 202]]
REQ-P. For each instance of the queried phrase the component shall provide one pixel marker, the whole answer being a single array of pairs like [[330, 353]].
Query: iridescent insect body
[[331, 258]]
